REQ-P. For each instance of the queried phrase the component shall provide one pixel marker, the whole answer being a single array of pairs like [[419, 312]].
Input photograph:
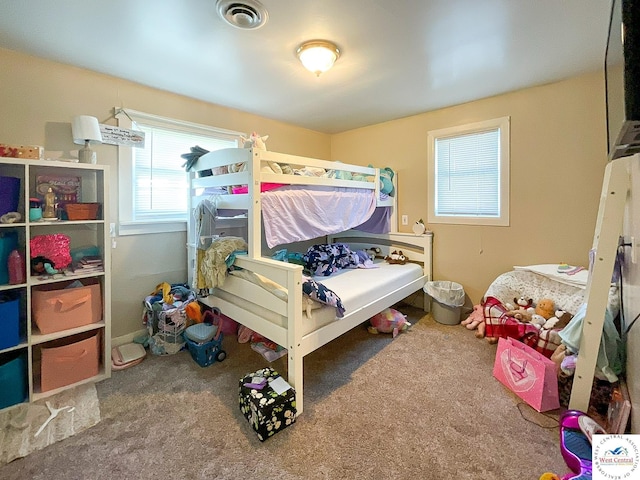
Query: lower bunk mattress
[[356, 288]]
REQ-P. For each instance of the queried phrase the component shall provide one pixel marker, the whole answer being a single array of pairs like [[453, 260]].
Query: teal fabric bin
[[13, 380], [9, 322]]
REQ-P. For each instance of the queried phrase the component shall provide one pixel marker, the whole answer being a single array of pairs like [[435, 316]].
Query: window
[[153, 184], [469, 174]]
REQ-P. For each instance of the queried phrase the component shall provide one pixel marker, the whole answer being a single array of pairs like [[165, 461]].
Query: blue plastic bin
[[13, 380], [9, 323]]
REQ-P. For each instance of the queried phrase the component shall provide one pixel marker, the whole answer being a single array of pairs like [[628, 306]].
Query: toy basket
[[82, 211]]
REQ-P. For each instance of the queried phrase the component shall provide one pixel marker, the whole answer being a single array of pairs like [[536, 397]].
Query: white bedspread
[[283, 224]]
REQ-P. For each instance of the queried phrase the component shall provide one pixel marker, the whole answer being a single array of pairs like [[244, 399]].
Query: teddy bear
[[523, 303], [544, 309], [560, 320], [396, 257]]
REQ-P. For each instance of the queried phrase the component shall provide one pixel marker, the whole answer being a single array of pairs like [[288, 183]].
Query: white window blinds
[[153, 185], [468, 174], [161, 183]]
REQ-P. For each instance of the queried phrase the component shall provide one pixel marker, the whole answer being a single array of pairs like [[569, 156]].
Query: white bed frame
[[418, 248]]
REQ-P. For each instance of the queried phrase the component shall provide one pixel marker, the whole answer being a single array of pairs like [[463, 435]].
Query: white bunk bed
[[283, 318]]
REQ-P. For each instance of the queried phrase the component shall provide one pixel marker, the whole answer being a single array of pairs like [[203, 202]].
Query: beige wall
[[558, 155], [39, 99], [557, 161]]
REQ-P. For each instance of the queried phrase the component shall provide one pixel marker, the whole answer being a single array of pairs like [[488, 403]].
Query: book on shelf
[[91, 259]]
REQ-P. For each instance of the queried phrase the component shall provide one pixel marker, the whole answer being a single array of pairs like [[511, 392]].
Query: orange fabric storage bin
[[56, 308], [64, 363]]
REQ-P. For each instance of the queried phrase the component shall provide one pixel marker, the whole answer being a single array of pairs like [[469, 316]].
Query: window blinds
[[467, 169], [161, 182]]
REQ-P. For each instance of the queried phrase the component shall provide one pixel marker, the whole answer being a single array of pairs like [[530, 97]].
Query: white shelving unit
[[93, 188]]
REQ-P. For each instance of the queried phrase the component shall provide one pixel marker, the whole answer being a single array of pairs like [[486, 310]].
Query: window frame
[[127, 118], [503, 125]]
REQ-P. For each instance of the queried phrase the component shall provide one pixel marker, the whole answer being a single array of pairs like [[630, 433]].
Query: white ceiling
[[399, 57]]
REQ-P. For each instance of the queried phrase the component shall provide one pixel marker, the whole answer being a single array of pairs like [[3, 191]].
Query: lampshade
[[318, 56], [86, 130]]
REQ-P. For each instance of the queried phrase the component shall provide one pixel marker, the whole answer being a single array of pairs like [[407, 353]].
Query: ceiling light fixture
[[318, 56]]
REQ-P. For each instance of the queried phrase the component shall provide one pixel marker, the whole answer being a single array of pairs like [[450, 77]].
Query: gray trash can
[[448, 298]]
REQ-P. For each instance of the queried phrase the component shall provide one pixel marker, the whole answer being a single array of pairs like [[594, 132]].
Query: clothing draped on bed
[[320, 211]]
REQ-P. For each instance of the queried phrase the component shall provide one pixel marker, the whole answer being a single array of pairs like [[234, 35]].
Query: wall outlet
[[405, 219]]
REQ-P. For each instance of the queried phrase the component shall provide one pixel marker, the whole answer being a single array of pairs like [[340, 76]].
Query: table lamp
[[86, 131]]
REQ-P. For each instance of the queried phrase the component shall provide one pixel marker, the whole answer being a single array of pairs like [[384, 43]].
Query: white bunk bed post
[[294, 336], [255, 206], [609, 222]]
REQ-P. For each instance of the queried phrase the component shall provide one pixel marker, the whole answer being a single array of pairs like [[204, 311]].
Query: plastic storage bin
[[56, 308], [13, 379], [9, 322], [64, 363]]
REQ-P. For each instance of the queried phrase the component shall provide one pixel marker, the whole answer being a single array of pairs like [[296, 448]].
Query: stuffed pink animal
[[389, 321], [475, 318], [255, 141]]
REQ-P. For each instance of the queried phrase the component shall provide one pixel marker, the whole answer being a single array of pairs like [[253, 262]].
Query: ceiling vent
[[247, 14]]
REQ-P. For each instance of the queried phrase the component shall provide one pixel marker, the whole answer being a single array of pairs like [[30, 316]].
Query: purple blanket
[[297, 213]]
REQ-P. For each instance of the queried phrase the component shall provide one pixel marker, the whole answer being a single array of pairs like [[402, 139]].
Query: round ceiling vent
[[246, 14]]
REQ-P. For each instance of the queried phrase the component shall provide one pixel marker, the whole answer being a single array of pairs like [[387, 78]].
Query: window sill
[[144, 228]]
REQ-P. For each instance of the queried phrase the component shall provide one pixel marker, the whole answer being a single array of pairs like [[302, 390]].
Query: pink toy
[[475, 318], [388, 321]]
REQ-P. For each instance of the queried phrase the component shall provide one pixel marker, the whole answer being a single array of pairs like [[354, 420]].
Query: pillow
[[317, 291]]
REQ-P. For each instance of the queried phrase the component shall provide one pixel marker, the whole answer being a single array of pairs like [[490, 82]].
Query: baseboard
[[128, 338]]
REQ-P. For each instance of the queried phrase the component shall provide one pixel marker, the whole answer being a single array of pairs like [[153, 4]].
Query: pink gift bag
[[527, 373]]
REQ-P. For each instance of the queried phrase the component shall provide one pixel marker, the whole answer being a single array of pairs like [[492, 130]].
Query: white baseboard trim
[[128, 338]]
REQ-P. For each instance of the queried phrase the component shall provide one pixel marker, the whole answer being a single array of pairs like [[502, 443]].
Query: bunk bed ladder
[[608, 229]]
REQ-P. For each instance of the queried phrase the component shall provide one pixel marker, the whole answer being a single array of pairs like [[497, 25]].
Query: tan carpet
[[421, 406]]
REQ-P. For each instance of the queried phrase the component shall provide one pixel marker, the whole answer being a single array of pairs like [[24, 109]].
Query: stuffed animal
[[523, 303], [545, 308], [373, 252], [396, 257], [560, 320], [475, 318], [389, 321], [255, 141]]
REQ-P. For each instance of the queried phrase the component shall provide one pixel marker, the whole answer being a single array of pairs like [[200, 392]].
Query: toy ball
[[388, 321]]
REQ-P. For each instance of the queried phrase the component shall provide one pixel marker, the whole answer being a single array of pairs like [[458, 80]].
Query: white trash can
[[448, 298]]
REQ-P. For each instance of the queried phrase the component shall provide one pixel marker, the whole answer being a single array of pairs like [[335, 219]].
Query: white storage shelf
[[93, 188]]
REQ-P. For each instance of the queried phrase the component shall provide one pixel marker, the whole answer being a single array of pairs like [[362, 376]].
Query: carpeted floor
[[421, 406]]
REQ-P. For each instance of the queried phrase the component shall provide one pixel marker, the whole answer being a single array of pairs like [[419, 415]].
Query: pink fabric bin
[[63, 363], [56, 308]]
